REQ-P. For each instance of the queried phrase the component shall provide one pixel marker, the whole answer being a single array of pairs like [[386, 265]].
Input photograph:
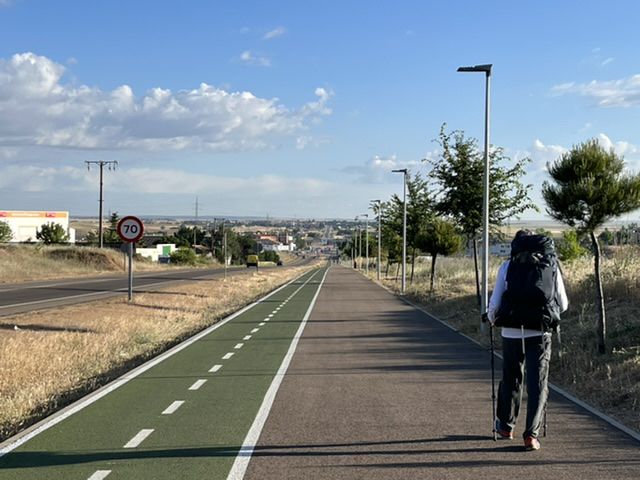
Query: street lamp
[[379, 203], [366, 236], [404, 172], [486, 69]]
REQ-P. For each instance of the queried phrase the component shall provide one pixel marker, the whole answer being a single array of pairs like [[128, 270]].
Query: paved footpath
[[378, 390]]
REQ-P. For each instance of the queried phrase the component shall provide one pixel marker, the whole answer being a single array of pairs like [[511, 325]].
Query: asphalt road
[[368, 388], [24, 297]]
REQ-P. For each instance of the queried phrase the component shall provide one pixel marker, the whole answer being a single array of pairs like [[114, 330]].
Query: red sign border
[[119, 227]]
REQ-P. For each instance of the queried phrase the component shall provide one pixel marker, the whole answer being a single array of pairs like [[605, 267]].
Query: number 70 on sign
[[130, 229]]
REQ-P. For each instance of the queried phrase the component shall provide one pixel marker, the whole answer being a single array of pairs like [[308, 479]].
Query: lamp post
[[486, 69], [404, 172], [379, 203], [366, 236]]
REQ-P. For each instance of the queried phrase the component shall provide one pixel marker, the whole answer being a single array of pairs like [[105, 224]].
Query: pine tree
[[589, 187]]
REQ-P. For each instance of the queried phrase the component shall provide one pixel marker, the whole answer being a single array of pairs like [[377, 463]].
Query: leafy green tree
[[607, 237], [52, 233], [269, 256], [570, 248], [439, 237], [5, 232], [419, 211], [184, 256], [110, 234], [589, 187], [459, 172]]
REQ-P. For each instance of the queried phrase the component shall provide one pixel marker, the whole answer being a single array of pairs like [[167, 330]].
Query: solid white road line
[[99, 475], [239, 346], [246, 337], [197, 384], [173, 407], [227, 356], [255, 330], [139, 438], [244, 456], [215, 368]]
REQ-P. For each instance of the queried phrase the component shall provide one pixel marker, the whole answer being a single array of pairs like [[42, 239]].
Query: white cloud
[[607, 61], [37, 108], [154, 181], [378, 169], [612, 93], [276, 32], [249, 58]]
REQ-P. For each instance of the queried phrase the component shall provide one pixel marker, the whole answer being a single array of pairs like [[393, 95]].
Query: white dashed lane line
[[197, 384], [255, 330], [99, 475], [215, 368], [239, 346], [246, 337], [262, 324], [173, 407], [227, 356], [139, 438]]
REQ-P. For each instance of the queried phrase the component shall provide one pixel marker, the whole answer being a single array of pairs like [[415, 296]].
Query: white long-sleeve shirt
[[496, 299]]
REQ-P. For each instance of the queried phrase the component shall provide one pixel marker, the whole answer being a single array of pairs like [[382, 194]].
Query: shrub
[[184, 256], [569, 247]]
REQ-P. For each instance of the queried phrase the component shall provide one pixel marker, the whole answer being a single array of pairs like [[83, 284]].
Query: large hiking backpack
[[529, 300]]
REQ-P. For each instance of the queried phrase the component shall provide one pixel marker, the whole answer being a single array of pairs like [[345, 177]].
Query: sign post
[[130, 229]]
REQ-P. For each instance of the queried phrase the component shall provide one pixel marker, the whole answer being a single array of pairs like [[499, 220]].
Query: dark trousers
[[535, 359]]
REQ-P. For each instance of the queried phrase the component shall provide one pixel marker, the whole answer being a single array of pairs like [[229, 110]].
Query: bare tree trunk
[[475, 263], [433, 270], [386, 272], [413, 264], [602, 321]]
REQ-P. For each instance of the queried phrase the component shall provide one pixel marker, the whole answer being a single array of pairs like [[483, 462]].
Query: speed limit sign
[[130, 229]]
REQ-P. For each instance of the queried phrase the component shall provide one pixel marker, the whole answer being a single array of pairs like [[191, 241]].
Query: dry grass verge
[[609, 382], [21, 263], [56, 356]]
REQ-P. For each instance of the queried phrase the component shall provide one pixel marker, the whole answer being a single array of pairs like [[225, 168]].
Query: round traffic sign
[[130, 229]]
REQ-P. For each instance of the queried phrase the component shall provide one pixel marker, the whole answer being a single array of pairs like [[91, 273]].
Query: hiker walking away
[[526, 302]]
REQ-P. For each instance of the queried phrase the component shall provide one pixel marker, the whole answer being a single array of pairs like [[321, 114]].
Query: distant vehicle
[[252, 261]]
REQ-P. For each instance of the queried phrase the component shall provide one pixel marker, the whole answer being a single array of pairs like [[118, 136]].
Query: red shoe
[[506, 434], [531, 444]]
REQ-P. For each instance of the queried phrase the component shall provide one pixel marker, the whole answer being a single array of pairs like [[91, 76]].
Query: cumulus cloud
[[378, 169], [37, 108], [611, 93], [249, 58], [154, 181], [276, 32]]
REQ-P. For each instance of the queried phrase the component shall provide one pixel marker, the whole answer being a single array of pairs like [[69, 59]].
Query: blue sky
[[290, 108]]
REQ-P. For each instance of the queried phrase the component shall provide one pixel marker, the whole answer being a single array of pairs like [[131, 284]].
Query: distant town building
[[25, 224], [161, 251]]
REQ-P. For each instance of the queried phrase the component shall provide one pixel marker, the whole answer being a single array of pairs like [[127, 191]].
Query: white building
[[24, 224], [160, 250]]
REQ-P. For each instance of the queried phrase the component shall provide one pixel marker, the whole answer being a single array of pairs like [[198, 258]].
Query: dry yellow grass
[[21, 263], [610, 382], [57, 355]]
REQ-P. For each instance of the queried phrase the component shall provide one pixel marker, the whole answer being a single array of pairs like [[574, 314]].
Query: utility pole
[[379, 212], [404, 172], [111, 165]]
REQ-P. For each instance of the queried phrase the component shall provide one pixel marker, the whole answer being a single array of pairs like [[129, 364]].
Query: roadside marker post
[[130, 229]]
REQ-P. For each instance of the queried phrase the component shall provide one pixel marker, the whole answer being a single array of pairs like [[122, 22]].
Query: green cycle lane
[[221, 379]]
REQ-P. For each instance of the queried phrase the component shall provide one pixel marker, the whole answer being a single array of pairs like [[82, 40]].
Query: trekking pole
[[493, 381]]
